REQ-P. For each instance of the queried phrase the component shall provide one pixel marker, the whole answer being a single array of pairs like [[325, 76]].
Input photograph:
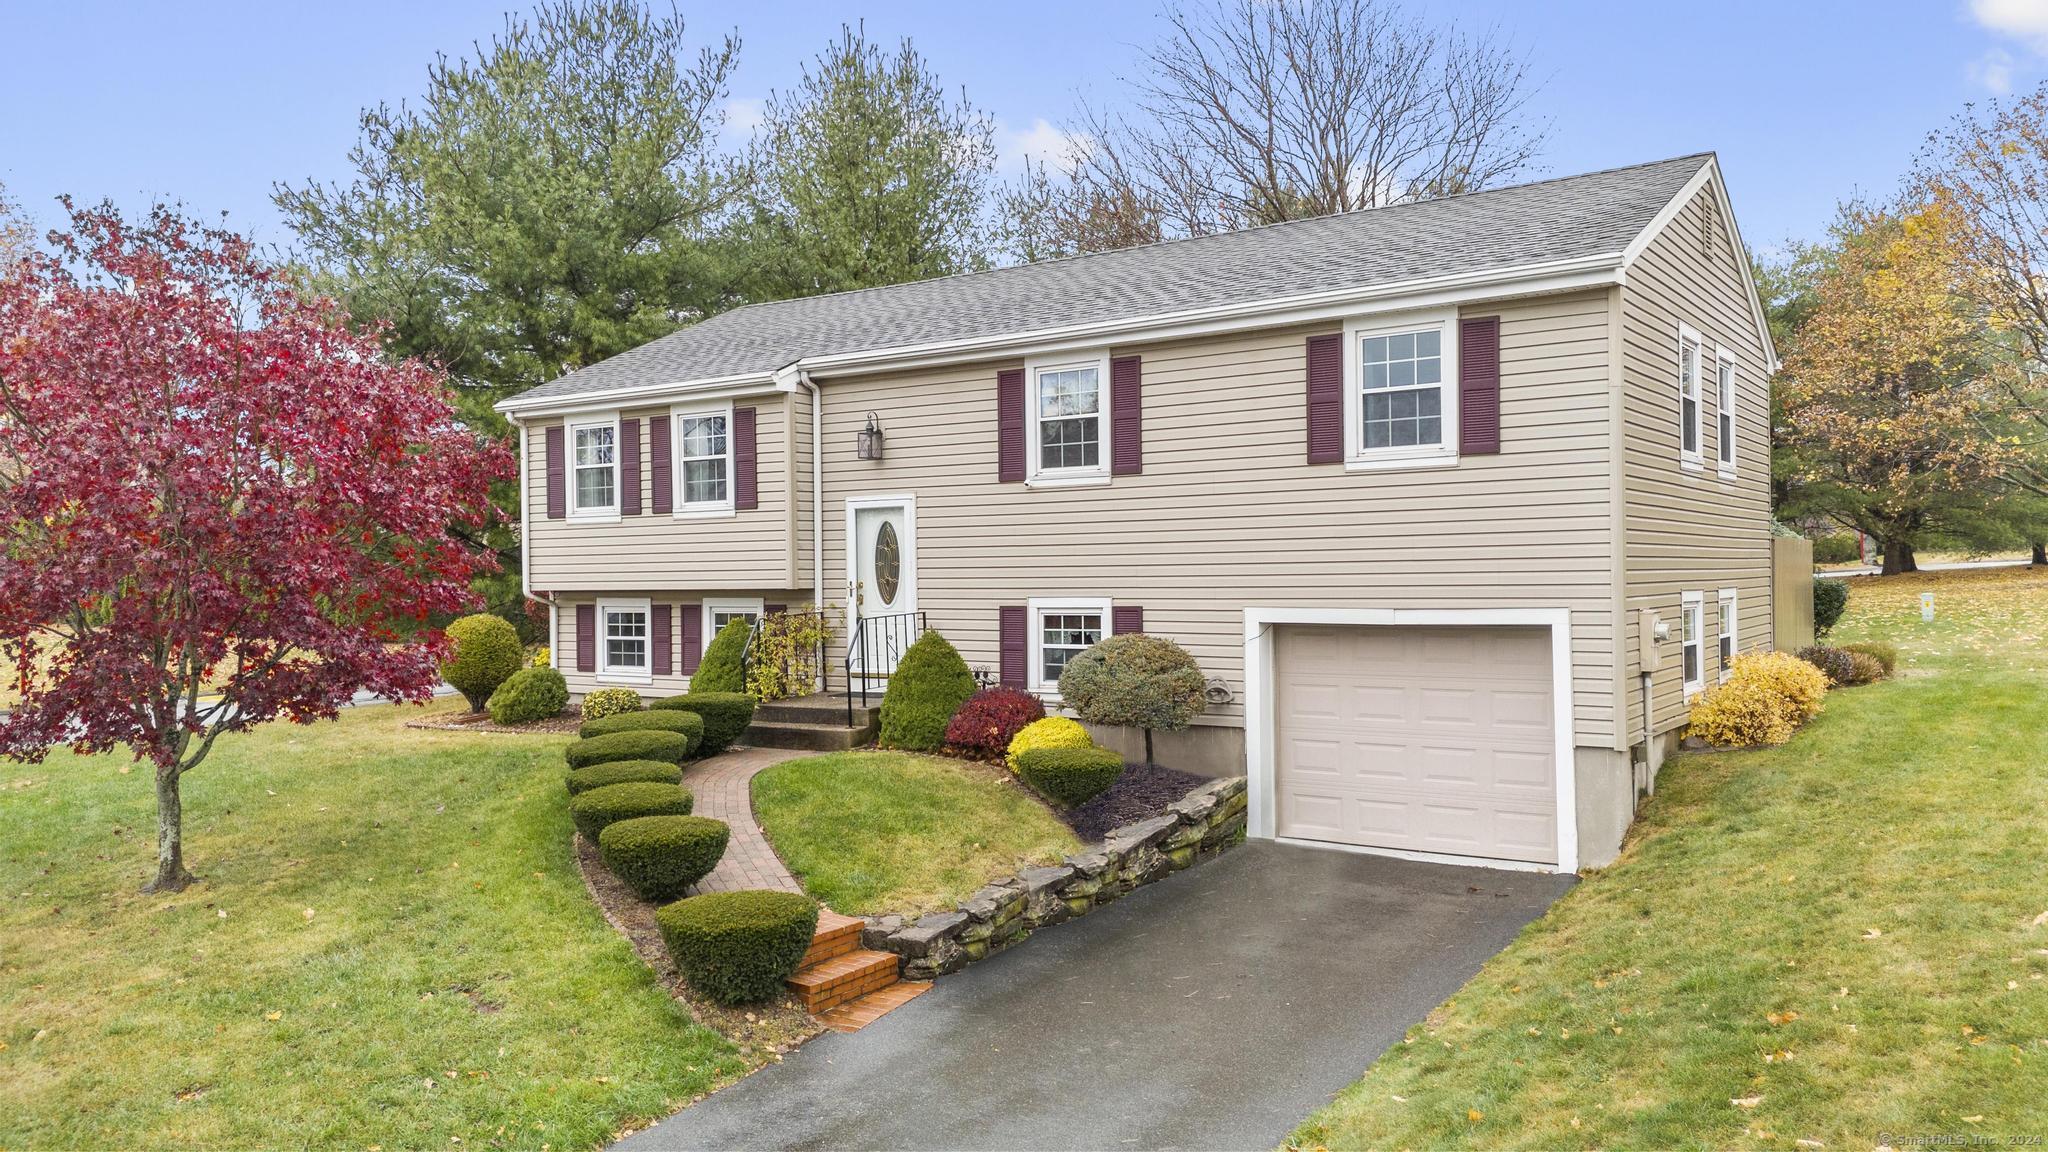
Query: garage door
[[1417, 738]]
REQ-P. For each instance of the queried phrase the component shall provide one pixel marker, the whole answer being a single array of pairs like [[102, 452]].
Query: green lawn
[[1803, 947], [871, 832], [391, 946]]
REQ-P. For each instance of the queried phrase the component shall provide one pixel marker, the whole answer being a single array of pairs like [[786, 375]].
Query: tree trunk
[[2040, 555], [170, 836], [1898, 558]]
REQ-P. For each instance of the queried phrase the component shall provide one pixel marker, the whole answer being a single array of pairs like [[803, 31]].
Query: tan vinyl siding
[[752, 548], [1228, 514], [562, 644], [1691, 531]]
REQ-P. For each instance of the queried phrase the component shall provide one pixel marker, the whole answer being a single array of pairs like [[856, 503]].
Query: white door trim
[[909, 505], [1260, 752]]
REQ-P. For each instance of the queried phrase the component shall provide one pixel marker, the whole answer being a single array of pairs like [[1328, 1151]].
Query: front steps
[[844, 985], [814, 723]]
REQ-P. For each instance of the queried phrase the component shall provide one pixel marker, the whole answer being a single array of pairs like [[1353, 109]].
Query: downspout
[[817, 488], [526, 542]]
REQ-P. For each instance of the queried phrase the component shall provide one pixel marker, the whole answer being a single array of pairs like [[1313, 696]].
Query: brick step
[[847, 976], [836, 936], [854, 1015]]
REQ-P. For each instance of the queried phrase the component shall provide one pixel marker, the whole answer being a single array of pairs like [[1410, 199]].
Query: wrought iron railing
[[873, 646]]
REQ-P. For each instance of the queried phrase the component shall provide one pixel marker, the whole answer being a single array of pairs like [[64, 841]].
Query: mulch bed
[[1142, 792], [482, 722]]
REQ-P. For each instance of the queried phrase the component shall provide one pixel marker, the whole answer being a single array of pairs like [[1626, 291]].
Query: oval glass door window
[[888, 563]]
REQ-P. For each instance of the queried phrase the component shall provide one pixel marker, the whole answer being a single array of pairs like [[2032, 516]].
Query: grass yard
[[870, 832], [1835, 944], [391, 946]]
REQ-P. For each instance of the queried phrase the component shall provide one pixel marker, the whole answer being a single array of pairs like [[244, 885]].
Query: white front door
[[881, 579]]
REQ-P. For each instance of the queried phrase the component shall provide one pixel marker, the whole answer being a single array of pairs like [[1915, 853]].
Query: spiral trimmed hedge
[[623, 772], [687, 724], [1070, 776], [598, 808], [672, 747], [725, 714], [659, 857], [738, 947]]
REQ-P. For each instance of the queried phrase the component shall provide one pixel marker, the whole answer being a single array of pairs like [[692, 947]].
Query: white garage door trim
[[1261, 754]]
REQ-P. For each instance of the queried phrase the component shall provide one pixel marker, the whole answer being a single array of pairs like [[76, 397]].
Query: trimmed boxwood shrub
[[725, 715], [720, 670], [531, 694], [1070, 776], [738, 947], [686, 723], [486, 653], [609, 702], [594, 810], [659, 857], [674, 747], [991, 718], [1051, 732], [1830, 600], [930, 683], [623, 772]]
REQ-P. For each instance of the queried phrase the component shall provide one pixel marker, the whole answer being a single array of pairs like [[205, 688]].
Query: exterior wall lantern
[[870, 440]]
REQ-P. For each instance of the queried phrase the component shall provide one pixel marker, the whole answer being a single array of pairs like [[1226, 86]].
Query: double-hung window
[[1060, 631], [1401, 394], [1688, 397], [704, 460], [1689, 643], [1724, 408], [1069, 407], [1727, 631], [594, 452], [719, 613], [623, 639]]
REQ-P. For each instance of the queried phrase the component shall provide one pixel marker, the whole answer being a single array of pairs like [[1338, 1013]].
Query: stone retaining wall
[[1197, 826]]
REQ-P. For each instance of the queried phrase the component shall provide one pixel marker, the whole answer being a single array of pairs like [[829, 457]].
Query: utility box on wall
[[1791, 592]]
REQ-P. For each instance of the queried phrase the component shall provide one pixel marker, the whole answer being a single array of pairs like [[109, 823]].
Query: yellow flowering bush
[[1051, 732], [542, 658], [1766, 697]]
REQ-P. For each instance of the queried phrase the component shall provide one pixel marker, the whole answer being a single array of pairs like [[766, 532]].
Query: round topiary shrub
[[594, 810], [725, 715], [652, 720], [1051, 732], [991, 718], [1830, 600], [738, 947], [721, 670], [486, 653], [623, 772], [659, 857], [610, 702], [1135, 681], [531, 694], [672, 747], [1070, 776], [930, 683]]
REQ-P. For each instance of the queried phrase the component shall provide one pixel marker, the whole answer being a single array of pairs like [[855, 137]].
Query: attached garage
[[1427, 737]]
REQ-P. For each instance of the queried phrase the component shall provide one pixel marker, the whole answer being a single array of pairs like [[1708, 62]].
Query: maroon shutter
[[1010, 425], [1126, 618], [1325, 399], [663, 638], [586, 637], [1479, 385], [558, 488], [629, 467], [663, 468], [1016, 646], [1126, 417], [746, 487], [693, 637]]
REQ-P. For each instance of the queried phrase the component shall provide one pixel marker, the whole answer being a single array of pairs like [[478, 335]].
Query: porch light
[[870, 440]]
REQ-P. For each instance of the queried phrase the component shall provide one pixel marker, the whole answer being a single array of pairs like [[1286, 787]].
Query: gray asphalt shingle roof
[[1551, 220]]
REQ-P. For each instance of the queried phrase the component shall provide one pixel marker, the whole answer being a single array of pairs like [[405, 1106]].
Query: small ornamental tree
[[1135, 681], [211, 487]]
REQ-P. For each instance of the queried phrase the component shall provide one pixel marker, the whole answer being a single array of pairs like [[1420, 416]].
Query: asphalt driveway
[[1214, 1009]]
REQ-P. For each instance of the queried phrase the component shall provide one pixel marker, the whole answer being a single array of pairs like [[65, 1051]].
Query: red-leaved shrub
[[985, 724]]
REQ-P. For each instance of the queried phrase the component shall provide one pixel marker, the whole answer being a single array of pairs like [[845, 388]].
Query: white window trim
[[1694, 458], [729, 605], [605, 672], [1692, 605], [607, 512], [1356, 456], [702, 508], [1038, 477], [1730, 629], [1725, 409], [1035, 609]]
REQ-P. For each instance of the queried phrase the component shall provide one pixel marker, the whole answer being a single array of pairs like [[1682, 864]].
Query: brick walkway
[[721, 787]]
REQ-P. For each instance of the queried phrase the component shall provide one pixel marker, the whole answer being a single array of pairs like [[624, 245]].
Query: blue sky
[[207, 102]]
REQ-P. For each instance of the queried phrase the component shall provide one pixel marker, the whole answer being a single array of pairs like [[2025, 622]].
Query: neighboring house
[[1407, 482]]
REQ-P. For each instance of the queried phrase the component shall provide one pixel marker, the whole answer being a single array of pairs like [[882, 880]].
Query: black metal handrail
[[877, 642]]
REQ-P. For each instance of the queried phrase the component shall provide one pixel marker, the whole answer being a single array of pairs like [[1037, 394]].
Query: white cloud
[[742, 116], [1041, 143], [1993, 70], [2023, 20]]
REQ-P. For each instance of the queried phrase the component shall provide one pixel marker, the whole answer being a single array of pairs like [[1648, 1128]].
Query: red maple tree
[[218, 504]]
